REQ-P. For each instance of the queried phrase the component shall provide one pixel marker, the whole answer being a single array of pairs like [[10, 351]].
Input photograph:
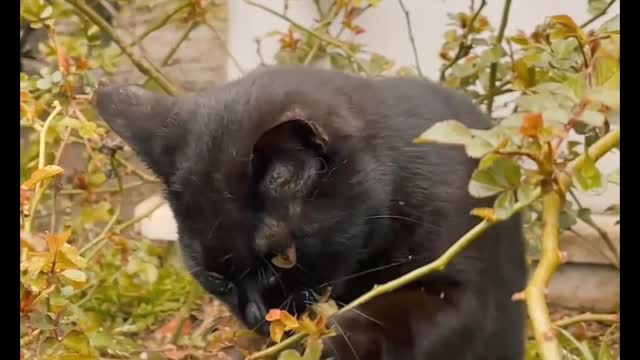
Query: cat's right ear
[[144, 120]]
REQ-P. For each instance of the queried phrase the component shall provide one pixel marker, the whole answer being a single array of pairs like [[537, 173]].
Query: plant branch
[[411, 39], [142, 64], [535, 291], [224, 46], [605, 318], [598, 15], [317, 35], [39, 189], [493, 69], [463, 49], [158, 25], [179, 43]]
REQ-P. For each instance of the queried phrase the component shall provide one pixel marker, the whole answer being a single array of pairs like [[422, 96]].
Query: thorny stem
[[142, 64], [407, 17], [605, 318], [317, 35], [598, 15], [596, 151], [463, 49], [493, 69], [535, 291]]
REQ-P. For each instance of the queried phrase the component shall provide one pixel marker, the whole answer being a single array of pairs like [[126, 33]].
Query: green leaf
[[592, 118], [78, 342], [43, 84], [478, 147], [604, 96], [589, 177], [527, 192], [504, 205], [290, 354], [611, 25], [567, 220], [494, 175], [597, 6], [446, 132]]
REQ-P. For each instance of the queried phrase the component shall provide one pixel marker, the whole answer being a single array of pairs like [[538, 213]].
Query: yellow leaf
[[572, 29], [39, 175], [287, 260], [55, 242], [276, 330], [485, 213], [326, 308], [68, 258]]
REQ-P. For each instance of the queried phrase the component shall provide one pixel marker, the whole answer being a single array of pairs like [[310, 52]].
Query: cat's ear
[[292, 133], [144, 120]]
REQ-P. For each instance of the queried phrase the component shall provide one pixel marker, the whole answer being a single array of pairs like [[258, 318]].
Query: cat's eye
[[217, 284]]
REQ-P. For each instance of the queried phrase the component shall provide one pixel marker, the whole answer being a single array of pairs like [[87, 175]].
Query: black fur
[[324, 162]]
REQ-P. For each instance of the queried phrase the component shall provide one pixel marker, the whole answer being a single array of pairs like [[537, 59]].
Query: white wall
[[386, 33]]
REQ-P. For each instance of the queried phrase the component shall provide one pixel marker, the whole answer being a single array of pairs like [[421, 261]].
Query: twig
[[493, 69], [104, 232], [143, 65], [319, 36], [164, 21], [224, 46], [535, 291], [123, 226], [463, 49], [605, 318], [136, 171], [179, 43], [411, 39], [598, 15], [102, 190]]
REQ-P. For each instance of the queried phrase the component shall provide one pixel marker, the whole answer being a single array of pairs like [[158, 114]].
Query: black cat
[[323, 163]]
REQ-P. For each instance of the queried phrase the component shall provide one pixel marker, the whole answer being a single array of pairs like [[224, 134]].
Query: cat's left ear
[[292, 133], [146, 121]]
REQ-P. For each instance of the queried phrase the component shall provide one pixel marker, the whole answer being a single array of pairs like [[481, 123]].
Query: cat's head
[[273, 164]]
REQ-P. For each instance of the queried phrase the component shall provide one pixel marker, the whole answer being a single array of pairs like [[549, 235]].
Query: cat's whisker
[[346, 339], [368, 317], [373, 217]]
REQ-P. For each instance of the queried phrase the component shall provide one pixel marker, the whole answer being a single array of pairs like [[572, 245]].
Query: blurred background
[[120, 290]]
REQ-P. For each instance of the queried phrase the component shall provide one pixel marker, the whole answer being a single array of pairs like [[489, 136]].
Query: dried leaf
[[531, 124], [42, 174]]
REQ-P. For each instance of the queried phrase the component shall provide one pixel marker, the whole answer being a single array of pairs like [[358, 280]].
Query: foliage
[[88, 285]]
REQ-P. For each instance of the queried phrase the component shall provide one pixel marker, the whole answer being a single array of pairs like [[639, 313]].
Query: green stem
[[598, 15], [604, 318], [494, 66], [535, 291], [40, 187]]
